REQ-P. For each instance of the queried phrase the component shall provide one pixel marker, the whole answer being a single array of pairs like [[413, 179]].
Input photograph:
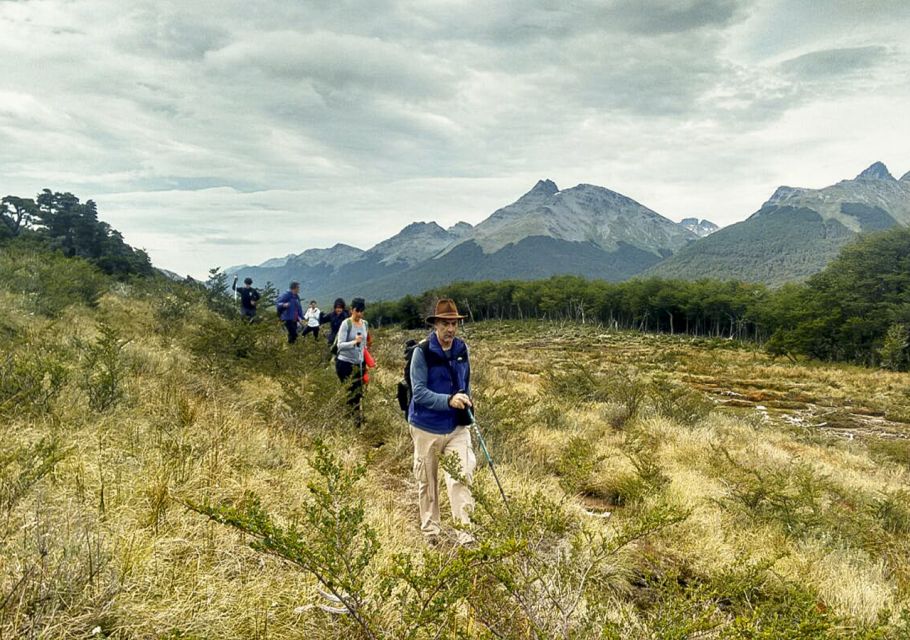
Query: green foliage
[[103, 368], [49, 281], [895, 346], [892, 450], [329, 540], [852, 307], [73, 228], [32, 374], [792, 496], [892, 510], [22, 468], [575, 383], [16, 215], [218, 297], [578, 382], [576, 465], [679, 402]]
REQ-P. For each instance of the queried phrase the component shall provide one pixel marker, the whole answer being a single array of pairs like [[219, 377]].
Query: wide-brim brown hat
[[445, 310]]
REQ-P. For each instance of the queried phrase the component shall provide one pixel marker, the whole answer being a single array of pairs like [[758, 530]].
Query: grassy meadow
[[167, 472]]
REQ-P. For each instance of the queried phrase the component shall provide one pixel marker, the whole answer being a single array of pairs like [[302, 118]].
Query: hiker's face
[[339, 311], [446, 331], [356, 314]]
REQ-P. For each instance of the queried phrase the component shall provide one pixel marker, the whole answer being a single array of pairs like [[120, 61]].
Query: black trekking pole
[[486, 453]]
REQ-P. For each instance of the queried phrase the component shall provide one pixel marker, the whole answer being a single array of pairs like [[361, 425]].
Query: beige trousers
[[428, 448]]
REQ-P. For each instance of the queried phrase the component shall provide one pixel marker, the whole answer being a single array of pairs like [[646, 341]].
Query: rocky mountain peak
[[905, 177], [876, 171], [782, 193], [418, 228], [460, 229], [542, 190], [701, 228]]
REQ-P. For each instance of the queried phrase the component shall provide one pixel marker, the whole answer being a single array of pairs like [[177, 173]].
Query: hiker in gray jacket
[[351, 342]]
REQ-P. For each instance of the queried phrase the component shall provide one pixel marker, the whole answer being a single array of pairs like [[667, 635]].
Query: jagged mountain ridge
[[797, 231], [586, 230], [584, 213]]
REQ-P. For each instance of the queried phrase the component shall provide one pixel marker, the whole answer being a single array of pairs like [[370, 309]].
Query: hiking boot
[[465, 539]]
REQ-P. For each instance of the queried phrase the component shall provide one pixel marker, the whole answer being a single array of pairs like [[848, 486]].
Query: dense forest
[[857, 309]]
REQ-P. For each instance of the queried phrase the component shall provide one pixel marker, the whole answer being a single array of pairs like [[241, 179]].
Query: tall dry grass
[[772, 528]]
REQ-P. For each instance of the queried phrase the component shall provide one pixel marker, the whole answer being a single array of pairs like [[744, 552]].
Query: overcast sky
[[229, 131]]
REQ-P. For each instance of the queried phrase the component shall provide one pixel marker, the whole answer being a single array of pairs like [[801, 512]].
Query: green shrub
[[22, 468], [641, 450], [32, 374], [574, 383], [576, 465], [894, 349], [892, 510], [895, 450], [50, 282], [628, 392], [679, 403], [103, 368]]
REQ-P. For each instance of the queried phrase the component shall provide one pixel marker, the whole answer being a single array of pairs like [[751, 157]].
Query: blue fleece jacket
[[289, 307], [434, 382]]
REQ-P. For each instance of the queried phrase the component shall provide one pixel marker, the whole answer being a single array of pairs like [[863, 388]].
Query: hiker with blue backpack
[[438, 382]]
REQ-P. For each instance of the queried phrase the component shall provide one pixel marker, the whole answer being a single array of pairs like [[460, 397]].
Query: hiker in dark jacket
[[441, 381], [339, 314], [249, 297], [290, 310]]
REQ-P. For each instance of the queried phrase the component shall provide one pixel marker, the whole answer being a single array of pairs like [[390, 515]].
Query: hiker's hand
[[460, 401], [358, 340]]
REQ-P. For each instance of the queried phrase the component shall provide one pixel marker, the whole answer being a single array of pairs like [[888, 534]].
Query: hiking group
[[435, 393]]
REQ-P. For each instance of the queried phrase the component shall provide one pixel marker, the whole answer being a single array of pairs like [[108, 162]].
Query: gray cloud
[[835, 62], [189, 122]]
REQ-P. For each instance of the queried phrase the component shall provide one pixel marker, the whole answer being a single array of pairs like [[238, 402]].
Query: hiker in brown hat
[[440, 378]]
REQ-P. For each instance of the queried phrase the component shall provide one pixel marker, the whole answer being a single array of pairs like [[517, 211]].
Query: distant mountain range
[[598, 233], [586, 230], [796, 232]]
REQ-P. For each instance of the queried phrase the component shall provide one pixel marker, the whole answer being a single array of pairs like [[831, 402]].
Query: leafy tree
[[16, 214]]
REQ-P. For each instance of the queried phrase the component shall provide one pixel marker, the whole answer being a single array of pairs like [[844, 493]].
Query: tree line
[[855, 310], [61, 222]]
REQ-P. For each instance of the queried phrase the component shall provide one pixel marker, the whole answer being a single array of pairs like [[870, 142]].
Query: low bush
[[679, 403], [103, 368], [50, 282], [32, 374]]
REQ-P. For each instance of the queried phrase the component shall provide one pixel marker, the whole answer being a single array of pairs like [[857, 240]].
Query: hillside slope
[[796, 232]]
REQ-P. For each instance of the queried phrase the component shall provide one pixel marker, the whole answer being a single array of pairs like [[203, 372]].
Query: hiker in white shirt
[[311, 318]]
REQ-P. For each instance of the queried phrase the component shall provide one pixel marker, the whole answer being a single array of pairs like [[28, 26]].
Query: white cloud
[[229, 133]]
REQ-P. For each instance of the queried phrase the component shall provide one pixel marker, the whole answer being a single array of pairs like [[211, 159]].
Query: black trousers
[[308, 330], [291, 326], [347, 371]]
